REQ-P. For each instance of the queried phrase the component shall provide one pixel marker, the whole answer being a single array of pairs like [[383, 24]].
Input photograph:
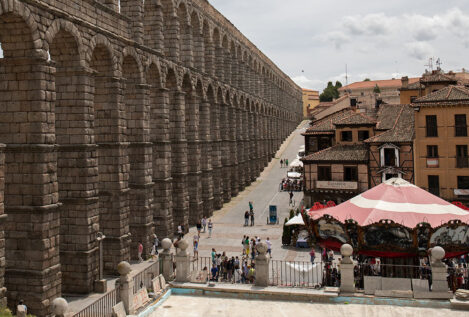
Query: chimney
[[405, 82]]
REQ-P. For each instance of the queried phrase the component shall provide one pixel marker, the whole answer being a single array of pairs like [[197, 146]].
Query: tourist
[[251, 207], [210, 227], [199, 227], [291, 198], [281, 162], [156, 243], [214, 273], [218, 262], [252, 273], [237, 274], [196, 250], [21, 309], [244, 244], [245, 272], [180, 231], [195, 239], [204, 222], [246, 218], [140, 251], [213, 254], [253, 249], [312, 255], [153, 253], [286, 162], [269, 246], [251, 214]]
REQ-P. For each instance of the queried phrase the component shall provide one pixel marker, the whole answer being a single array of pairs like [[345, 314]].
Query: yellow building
[[310, 101], [441, 142]]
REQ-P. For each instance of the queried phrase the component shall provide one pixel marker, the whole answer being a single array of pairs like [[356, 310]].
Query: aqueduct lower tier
[[125, 120]]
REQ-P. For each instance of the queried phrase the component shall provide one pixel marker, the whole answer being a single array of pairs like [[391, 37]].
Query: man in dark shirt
[[214, 273]]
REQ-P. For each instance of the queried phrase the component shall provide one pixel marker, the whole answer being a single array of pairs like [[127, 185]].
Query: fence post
[[439, 271], [59, 307], [182, 262], [347, 284], [262, 265], [166, 259], [126, 286]]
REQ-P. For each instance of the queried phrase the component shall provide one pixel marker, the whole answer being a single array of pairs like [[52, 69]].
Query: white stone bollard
[[347, 281], [59, 307], [126, 285], [167, 259], [262, 265], [182, 262], [439, 270]]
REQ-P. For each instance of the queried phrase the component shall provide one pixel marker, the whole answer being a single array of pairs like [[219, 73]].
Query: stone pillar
[[262, 265], [179, 161], [248, 121], [240, 146], [206, 162], [439, 271], [167, 259], [162, 192], [194, 159], [126, 287], [183, 263], [226, 152], [113, 4], [347, 282], [185, 44], [171, 34], [153, 25], [134, 10], [216, 156], [219, 64], [59, 307], [209, 48], [233, 149], [140, 175], [3, 216]]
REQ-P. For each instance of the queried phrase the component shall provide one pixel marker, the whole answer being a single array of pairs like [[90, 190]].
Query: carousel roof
[[396, 200]]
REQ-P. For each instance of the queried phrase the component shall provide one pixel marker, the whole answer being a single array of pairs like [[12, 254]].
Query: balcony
[[433, 162], [336, 185], [462, 161]]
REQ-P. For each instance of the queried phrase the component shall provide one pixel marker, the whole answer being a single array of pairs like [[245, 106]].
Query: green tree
[[331, 92], [366, 79], [376, 90]]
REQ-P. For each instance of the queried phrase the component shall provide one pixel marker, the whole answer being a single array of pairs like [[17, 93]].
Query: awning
[[297, 220]]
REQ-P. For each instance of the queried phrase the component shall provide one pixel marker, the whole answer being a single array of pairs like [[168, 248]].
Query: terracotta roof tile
[[448, 95], [355, 119], [341, 153], [326, 124], [389, 83], [402, 129]]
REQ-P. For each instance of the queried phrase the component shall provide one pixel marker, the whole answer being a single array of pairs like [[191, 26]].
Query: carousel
[[395, 219]]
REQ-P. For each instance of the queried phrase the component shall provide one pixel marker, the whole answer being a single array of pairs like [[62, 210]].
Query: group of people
[[283, 162], [249, 247], [249, 215], [231, 270], [288, 184]]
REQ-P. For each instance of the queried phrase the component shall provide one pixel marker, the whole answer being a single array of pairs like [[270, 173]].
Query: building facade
[[310, 101], [441, 143], [127, 118]]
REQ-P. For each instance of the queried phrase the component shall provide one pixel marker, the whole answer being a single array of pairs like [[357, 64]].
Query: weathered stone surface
[[140, 120]]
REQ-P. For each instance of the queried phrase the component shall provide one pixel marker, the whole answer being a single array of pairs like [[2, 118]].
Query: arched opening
[[153, 25], [185, 36], [218, 54], [170, 30], [73, 134], [225, 150], [32, 269], [209, 50], [198, 43], [233, 146], [226, 60]]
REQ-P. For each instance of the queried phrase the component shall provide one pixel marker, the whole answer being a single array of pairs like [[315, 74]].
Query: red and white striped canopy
[[397, 200]]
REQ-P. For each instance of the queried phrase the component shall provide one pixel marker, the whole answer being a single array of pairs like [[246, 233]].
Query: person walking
[[281, 162], [286, 163], [180, 231], [269, 246], [312, 255], [251, 214], [251, 207], [199, 227], [243, 243], [213, 254], [291, 198], [140, 251], [246, 218], [210, 228], [156, 243], [204, 223]]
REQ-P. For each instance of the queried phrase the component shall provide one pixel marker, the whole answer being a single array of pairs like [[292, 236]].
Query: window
[[460, 125], [463, 182], [412, 98], [324, 173], [434, 184], [363, 135], [346, 136], [350, 173], [461, 156], [389, 176], [324, 143], [389, 157], [432, 127], [432, 150]]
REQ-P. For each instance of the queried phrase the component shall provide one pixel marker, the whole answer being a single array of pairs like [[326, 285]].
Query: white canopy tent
[[297, 220]]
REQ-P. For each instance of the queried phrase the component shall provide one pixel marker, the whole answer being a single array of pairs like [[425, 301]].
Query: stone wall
[[125, 121]]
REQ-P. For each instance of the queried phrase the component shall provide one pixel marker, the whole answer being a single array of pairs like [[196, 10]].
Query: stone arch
[[64, 25], [19, 9], [198, 42], [170, 29], [153, 24], [129, 51], [209, 49], [185, 35], [103, 42]]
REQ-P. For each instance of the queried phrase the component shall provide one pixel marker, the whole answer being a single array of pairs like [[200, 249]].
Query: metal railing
[[199, 263], [102, 307], [144, 278], [303, 274]]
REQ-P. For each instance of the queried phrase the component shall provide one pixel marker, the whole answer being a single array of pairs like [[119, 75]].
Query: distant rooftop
[[388, 83]]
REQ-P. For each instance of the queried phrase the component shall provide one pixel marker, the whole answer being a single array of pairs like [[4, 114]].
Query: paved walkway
[[228, 229]]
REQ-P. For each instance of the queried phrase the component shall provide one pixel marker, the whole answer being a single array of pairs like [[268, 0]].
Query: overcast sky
[[312, 40]]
